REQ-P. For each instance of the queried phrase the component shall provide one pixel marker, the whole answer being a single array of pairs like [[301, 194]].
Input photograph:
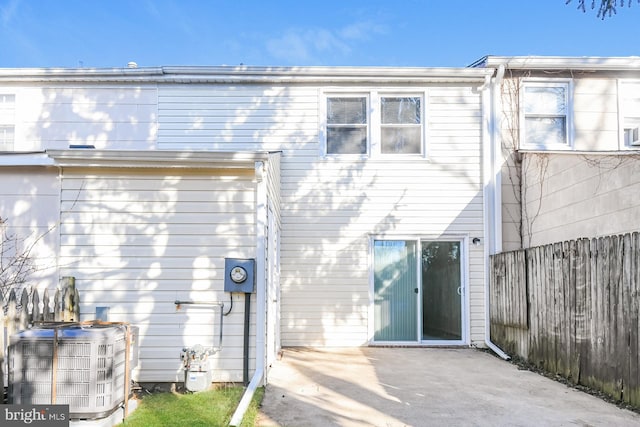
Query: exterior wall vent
[[90, 374]]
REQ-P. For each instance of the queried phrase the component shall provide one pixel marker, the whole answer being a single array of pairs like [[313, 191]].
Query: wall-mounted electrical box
[[239, 275]]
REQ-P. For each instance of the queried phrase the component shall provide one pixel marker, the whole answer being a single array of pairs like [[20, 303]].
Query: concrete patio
[[422, 387]]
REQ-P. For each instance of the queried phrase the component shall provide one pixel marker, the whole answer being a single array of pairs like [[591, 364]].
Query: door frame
[[464, 278]]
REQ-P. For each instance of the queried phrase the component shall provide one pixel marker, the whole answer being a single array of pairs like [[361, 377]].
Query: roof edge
[[244, 74], [586, 63], [157, 158]]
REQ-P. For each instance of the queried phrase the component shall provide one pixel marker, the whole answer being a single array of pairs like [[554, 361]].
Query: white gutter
[[261, 309], [244, 74], [584, 63], [492, 190]]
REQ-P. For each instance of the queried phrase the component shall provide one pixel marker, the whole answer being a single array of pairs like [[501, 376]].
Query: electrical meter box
[[239, 275]]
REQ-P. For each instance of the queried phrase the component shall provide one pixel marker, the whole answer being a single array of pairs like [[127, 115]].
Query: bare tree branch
[[606, 8]]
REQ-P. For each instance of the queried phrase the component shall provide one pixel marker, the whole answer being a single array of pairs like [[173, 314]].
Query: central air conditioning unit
[[84, 365]]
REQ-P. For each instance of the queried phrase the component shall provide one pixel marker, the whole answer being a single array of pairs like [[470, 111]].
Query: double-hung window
[[347, 125], [630, 114], [7, 121], [401, 125], [374, 124], [545, 115]]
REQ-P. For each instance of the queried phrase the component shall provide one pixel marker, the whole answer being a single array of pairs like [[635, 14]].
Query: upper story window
[[630, 114], [7, 121], [374, 124], [401, 126], [545, 115], [347, 126]]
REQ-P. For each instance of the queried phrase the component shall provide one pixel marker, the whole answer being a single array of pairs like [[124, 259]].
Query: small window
[[630, 112], [401, 128], [7, 122], [347, 125], [546, 115]]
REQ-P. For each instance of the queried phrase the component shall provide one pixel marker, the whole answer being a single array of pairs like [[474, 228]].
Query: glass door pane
[[395, 290], [441, 291]]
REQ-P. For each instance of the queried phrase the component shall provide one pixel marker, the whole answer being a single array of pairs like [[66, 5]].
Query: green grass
[[205, 408]]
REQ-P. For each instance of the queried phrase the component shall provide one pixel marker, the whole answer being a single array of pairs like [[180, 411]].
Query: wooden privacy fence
[[27, 311], [572, 309]]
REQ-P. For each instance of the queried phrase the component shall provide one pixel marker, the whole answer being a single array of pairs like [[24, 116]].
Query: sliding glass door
[[418, 291]]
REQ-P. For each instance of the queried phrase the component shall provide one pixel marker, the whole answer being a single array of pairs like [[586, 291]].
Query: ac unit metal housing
[[90, 372]]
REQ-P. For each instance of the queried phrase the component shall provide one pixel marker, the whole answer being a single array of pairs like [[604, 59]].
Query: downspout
[[492, 188], [261, 256]]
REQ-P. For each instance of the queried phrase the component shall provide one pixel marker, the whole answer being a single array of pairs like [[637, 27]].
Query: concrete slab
[[422, 387]]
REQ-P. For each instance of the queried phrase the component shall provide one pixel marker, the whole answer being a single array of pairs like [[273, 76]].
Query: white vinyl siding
[[29, 204], [104, 116], [238, 118], [137, 241], [331, 207]]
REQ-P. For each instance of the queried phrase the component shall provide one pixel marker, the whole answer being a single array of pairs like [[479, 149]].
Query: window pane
[[346, 110], [401, 110], [401, 140], [7, 135], [546, 130], [545, 100], [395, 281], [347, 140]]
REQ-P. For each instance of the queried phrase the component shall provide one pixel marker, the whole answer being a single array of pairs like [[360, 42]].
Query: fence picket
[[16, 317]]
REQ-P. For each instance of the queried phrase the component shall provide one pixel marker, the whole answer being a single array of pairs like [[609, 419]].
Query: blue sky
[[110, 33]]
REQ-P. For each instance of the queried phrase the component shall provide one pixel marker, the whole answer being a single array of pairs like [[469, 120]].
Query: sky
[[390, 33]]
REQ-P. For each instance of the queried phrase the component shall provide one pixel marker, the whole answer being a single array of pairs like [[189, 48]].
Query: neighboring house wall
[[586, 195], [572, 178]]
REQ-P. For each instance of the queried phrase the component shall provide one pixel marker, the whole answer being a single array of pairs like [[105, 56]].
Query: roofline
[[244, 74], [585, 63]]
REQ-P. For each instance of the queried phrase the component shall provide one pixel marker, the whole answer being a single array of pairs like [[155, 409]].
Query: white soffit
[[156, 158]]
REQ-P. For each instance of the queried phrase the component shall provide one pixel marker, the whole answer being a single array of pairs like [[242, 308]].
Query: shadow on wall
[[136, 240]]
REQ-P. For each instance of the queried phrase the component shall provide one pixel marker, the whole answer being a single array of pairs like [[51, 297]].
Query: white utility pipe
[[491, 194], [261, 309]]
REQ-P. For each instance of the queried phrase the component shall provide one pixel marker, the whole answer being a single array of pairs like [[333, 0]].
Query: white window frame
[[324, 127], [567, 84], [374, 120], [465, 278], [625, 120]]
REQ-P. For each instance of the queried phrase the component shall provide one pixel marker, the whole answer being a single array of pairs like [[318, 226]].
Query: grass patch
[[206, 408]]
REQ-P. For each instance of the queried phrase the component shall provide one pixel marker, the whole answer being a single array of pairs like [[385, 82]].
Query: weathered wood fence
[[572, 309], [29, 310]]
